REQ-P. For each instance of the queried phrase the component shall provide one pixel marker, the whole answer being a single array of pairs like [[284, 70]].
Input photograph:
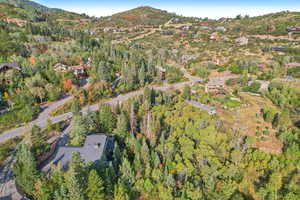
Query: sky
[[194, 8]]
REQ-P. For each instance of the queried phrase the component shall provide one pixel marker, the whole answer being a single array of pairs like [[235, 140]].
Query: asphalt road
[[41, 121]]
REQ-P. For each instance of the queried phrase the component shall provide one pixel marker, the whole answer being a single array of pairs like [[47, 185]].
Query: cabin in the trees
[[97, 147]]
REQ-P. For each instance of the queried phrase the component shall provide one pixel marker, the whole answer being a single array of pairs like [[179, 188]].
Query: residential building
[[220, 29], [7, 66], [184, 34], [97, 147], [294, 29], [187, 57], [242, 41], [215, 86], [78, 70], [185, 28], [210, 109], [215, 36], [60, 67], [279, 48]]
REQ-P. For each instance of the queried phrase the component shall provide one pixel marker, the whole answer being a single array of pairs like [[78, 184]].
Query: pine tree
[[120, 192], [25, 169], [127, 173], [133, 122], [107, 119], [75, 107], [147, 98], [95, 188], [75, 189], [122, 125], [186, 92], [91, 120], [78, 131], [76, 178], [37, 140], [142, 75]]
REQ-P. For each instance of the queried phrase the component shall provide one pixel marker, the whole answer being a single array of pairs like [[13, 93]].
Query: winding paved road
[[41, 121]]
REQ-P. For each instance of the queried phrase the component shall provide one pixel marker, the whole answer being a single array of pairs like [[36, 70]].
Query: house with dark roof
[[96, 148], [7, 66], [294, 29]]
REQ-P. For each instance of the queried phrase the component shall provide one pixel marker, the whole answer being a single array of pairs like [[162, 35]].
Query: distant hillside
[[26, 4], [274, 23], [32, 11], [139, 16]]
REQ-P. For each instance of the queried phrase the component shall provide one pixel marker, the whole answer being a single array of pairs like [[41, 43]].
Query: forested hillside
[[189, 108]]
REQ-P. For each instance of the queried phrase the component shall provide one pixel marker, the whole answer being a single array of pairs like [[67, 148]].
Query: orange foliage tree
[[68, 84]]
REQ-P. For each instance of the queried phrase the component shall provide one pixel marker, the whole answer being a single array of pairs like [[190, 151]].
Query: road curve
[[42, 119]]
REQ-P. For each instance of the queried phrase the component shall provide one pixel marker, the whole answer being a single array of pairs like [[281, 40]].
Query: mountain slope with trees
[[138, 16]]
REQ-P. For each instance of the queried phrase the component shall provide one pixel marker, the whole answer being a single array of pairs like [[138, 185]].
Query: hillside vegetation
[[273, 24], [138, 16]]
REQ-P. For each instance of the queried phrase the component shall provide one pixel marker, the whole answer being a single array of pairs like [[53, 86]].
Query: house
[[60, 67], [187, 57], [215, 86], [242, 41], [205, 28], [97, 147], [78, 70], [185, 28], [293, 29], [215, 36], [210, 109], [222, 20], [184, 34], [112, 30], [7, 66], [279, 48], [176, 21], [220, 29]]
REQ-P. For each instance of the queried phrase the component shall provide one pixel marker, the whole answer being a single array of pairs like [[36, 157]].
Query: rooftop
[[91, 151], [12, 65], [210, 109]]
